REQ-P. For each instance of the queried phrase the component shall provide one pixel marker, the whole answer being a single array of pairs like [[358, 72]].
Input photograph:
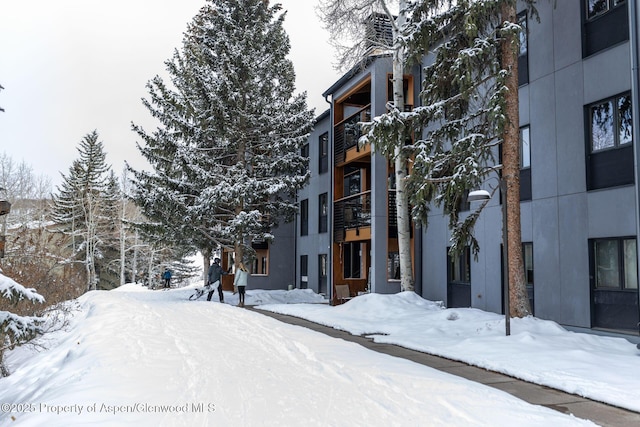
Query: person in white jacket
[[240, 282]]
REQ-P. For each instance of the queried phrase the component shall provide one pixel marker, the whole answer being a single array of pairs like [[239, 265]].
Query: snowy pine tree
[[16, 329], [226, 157], [83, 205]]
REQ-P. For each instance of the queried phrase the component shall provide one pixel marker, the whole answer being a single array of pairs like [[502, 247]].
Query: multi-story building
[[579, 182]]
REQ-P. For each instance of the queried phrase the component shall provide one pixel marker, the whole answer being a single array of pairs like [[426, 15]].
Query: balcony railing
[[351, 212], [348, 132]]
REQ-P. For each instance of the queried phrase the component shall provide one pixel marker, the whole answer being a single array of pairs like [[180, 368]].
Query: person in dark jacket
[[167, 278], [215, 275]]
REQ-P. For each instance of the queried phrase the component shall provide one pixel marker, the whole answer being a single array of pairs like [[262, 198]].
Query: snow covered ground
[[148, 358]]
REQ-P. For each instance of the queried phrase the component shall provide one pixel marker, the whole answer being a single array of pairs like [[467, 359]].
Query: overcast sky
[[71, 66]]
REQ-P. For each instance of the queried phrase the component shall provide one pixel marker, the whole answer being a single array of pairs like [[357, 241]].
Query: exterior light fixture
[[483, 195]]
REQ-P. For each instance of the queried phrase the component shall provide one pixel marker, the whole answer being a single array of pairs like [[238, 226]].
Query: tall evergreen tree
[[226, 157], [470, 108], [82, 203]]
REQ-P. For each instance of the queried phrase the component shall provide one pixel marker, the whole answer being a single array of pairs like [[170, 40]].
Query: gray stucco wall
[[314, 243], [562, 216], [281, 252]]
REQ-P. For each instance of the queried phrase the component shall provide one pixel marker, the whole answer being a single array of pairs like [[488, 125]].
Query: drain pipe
[[634, 41], [331, 171]]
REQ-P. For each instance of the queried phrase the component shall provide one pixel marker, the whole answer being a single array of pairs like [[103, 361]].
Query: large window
[[304, 217], [614, 283], [323, 213], [610, 142], [595, 8], [615, 262], [324, 152], [352, 260], [605, 23], [611, 124]]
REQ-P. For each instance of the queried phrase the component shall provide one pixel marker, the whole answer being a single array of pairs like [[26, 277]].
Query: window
[[351, 181], [525, 164], [605, 23], [260, 264], [323, 214], [459, 278], [523, 54], [322, 273], [352, 260], [609, 142], [527, 258], [596, 8], [393, 266], [304, 268], [525, 148], [522, 21], [460, 267], [304, 217], [615, 263], [611, 123], [304, 151], [324, 152], [613, 271]]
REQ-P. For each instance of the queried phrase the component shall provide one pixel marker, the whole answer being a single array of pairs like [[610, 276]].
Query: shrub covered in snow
[[16, 329]]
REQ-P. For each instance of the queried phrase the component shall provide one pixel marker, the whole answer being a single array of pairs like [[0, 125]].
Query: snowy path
[[129, 353]]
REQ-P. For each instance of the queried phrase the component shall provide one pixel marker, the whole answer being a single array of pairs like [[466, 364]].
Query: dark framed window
[[525, 163], [609, 142], [322, 273], [525, 147], [304, 217], [352, 253], [596, 8], [611, 123], [260, 265], [459, 278], [323, 212], [615, 263], [605, 23], [352, 181], [304, 271], [393, 265], [304, 151], [460, 267], [527, 260], [323, 147], [613, 271], [523, 54]]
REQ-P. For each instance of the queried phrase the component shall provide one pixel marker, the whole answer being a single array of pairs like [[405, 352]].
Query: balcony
[[348, 132], [351, 214]]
